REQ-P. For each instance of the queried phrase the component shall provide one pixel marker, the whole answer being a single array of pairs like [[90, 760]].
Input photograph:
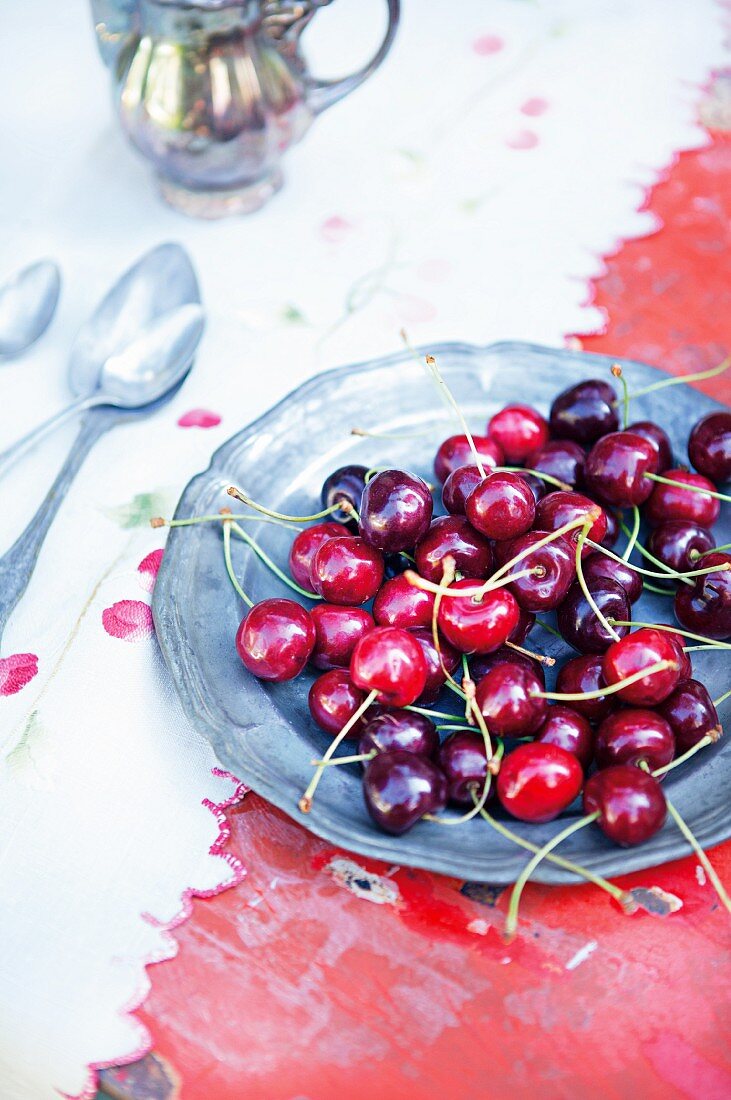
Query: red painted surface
[[302, 983]]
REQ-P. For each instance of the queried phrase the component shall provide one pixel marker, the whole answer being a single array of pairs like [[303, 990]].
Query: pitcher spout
[[116, 23]]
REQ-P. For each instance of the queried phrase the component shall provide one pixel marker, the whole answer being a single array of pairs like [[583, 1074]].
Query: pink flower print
[[522, 139], [148, 569], [16, 671], [129, 620], [487, 44], [199, 418], [335, 229], [534, 106]]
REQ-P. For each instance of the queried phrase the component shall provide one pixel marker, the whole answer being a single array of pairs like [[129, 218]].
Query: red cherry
[[475, 625], [613, 529], [458, 487], [709, 446], [333, 699], [616, 466], [275, 639], [526, 622], [632, 654], [585, 412], [502, 506], [634, 736], [658, 439], [599, 566], [559, 458], [509, 698], [453, 536], [435, 676], [305, 546], [668, 502], [482, 663], [544, 590], [578, 622], [673, 544], [705, 608], [400, 787], [395, 510], [568, 729], [691, 714], [402, 604], [337, 629], [518, 429], [456, 451], [584, 674], [463, 760], [389, 661], [685, 666], [400, 729], [630, 803], [347, 570], [537, 781], [560, 508]]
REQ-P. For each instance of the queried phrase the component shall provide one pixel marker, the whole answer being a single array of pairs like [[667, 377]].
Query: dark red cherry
[[585, 412], [337, 629], [400, 729], [395, 510], [509, 698], [389, 661], [658, 439], [616, 467], [709, 446], [333, 699], [537, 486], [632, 654], [690, 712], [435, 676], [668, 502], [632, 736], [304, 547], [478, 625], [453, 536], [613, 529], [400, 787], [400, 603], [347, 571], [705, 608], [629, 801], [344, 484], [275, 639], [559, 458], [599, 566], [537, 781], [555, 566], [463, 761], [502, 506], [526, 622], [482, 663], [577, 619], [676, 544], [518, 429], [569, 730], [685, 666], [458, 487], [558, 509], [456, 451], [584, 674]]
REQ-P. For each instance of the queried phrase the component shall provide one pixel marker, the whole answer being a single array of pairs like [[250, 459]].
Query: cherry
[[558, 509], [344, 484], [690, 712], [305, 546], [632, 736], [709, 446], [637, 651], [395, 564], [559, 458], [478, 625], [578, 622], [518, 429], [482, 663], [537, 486], [463, 760], [599, 566], [584, 674], [526, 622], [537, 781], [347, 570], [509, 698], [400, 729], [705, 608], [555, 567], [658, 439], [389, 661], [400, 603], [333, 698], [630, 804], [456, 451], [568, 729], [458, 487], [501, 506], [668, 502], [616, 466], [275, 639], [400, 787], [613, 529], [685, 667], [395, 510], [337, 629], [435, 675], [673, 544], [585, 412], [453, 535]]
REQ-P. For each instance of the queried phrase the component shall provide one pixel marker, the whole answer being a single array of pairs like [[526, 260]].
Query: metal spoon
[[27, 303]]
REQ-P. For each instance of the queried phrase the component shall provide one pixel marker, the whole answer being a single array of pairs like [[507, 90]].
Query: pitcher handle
[[321, 94]]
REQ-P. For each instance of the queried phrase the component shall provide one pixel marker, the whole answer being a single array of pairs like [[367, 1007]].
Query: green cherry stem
[[540, 657], [707, 740], [715, 550], [361, 756], [650, 557], [340, 506], [305, 802], [722, 698], [229, 564], [657, 590], [548, 478], [492, 769], [264, 557], [701, 376], [710, 642], [549, 628], [610, 689], [633, 537], [219, 517], [434, 713], [585, 588], [617, 372], [364, 433], [702, 857], [691, 488]]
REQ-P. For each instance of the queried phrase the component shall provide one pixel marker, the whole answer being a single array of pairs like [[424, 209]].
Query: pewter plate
[[263, 733]]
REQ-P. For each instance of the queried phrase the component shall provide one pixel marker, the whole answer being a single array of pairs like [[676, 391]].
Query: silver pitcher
[[213, 92]]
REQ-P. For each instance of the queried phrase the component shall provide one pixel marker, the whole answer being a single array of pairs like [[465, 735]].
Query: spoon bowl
[[27, 303]]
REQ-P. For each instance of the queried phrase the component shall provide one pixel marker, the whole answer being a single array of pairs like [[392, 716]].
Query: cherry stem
[[345, 759], [448, 575], [159, 521], [540, 657], [585, 588], [364, 433], [610, 689], [480, 802], [305, 802], [633, 537], [710, 642], [701, 376], [549, 628], [668, 574], [714, 550], [722, 698], [511, 919], [229, 564], [650, 557], [551, 537], [264, 557], [339, 506], [657, 590], [617, 372], [702, 857], [691, 488], [707, 740], [548, 478]]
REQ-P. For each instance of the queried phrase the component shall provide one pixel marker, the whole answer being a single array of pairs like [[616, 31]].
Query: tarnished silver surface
[[27, 304]]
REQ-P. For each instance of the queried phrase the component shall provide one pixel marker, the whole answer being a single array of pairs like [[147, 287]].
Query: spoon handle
[[18, 563], [15, 450]]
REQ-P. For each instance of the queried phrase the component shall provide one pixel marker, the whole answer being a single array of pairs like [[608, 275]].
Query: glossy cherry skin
[[537, 486], [346, 483], [333, 699], [585, 412], [560, 458], [537, 781], [668, 502], [584, 674], [458, 487], [559, 508], [685, 665], [509, 698], [556, 560], [456, 451], [518, 429], [599, 566], [337, 629], [400, 729], [400, 603], [632, 736], [275, 639], [400, 787], [435, 676], [568, 729], [502, 506], [304, 547], [709, 446], [635, 652], [347, 571], [674, 544], [578, 622], [629, 801], [690, 713], [389, 661], [616, 467], [453, 536], [478, 627], [482, 663], [705, 608], [395, 510], [659, 440], [613, 529], [526, 622], [463, 761]]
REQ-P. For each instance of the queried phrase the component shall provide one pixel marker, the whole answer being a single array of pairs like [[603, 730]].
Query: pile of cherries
[[533, 509]]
